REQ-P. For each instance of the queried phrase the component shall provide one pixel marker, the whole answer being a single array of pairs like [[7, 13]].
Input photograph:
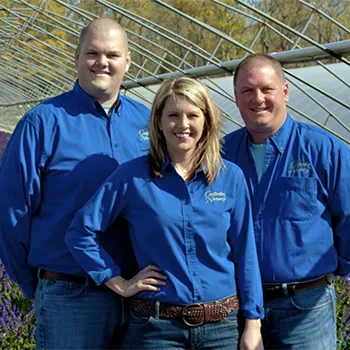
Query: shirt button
[[190, 250], [188, 225], [194, 274], [116, 145], [199, 298]]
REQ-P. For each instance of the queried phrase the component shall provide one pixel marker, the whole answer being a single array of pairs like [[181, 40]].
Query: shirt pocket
[[295, 198]]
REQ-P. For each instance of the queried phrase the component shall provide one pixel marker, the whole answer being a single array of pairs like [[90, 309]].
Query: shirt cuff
[[101, 277], [254, 312]]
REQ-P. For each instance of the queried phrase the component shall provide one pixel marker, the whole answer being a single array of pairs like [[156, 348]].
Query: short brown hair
[[261, 59]]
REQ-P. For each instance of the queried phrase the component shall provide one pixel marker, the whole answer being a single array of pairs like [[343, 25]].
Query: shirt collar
[[90, 101], [245, 144], [83, 96], [168, 162], [281, 137]]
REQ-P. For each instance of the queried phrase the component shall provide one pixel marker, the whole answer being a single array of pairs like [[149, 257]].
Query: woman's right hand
[[148, 279]]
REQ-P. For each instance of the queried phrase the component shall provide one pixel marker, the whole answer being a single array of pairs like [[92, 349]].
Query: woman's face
[[182, 124]]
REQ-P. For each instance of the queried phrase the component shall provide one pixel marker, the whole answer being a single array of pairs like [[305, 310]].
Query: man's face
[[261, 97], [102, 62]]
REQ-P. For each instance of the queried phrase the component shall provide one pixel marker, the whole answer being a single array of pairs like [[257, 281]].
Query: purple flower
[[4, 137], [17, 318]]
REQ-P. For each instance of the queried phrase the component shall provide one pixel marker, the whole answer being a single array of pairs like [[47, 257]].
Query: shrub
[[343, 312], [17, 318], [4, 137]]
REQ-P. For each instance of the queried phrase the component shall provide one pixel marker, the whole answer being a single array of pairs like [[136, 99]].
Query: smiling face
[[102, 61], [182, 124], [261, 97]]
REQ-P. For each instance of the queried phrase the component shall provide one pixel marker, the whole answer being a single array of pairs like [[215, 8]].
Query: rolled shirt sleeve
[[92, 220]]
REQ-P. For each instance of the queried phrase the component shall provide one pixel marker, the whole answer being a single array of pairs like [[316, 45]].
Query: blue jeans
[[151, 332], [76, 316], [306, 321]]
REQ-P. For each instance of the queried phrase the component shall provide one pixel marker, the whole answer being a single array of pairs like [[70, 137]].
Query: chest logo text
[[144, 134], [299, 167], [211, 196]]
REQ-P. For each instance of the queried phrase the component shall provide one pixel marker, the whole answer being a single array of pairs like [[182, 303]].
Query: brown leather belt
[[193, 314], [59, 276], [281, 291]]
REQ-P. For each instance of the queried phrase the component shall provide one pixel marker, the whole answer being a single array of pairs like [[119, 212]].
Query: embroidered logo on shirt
[[144, 134], [299, 167], [211, 196]]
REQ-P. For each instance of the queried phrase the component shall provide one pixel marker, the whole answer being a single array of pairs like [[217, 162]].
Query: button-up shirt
[[199, 235], [301, 207], [58, 155]]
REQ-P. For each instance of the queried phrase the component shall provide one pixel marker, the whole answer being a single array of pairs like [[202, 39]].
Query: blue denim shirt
[[200, 235], [59, 154], [301, 207]]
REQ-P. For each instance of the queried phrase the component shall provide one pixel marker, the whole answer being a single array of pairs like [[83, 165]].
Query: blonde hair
[[207, 154]]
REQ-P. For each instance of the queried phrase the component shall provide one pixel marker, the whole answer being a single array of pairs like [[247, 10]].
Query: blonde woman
[[190, 223]]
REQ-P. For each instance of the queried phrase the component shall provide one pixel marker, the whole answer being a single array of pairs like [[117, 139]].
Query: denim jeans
[[77, 316], [150, 332], [306, 321]]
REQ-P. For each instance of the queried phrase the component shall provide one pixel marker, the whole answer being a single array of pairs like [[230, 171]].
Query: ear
[[76, 58], [286, 92], [128, 61], [236, 97]]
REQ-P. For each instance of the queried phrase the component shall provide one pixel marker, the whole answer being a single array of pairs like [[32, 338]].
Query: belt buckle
[[185, 308]]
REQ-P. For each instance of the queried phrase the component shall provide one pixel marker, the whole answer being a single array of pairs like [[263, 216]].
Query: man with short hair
[[299, 181], [59, 154]]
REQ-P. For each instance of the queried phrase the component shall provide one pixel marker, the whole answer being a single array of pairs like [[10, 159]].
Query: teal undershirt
[[107, 109], [258, 151]]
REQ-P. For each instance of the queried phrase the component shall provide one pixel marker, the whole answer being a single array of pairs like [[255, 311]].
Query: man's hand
[[251, 337], [148, 278]]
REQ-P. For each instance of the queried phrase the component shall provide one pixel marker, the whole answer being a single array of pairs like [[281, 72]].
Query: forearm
[[254, 324], [249, 285], [251, 337], [117, 284]]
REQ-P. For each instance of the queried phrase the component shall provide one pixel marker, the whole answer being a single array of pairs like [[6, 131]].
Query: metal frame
[[38, 41]]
